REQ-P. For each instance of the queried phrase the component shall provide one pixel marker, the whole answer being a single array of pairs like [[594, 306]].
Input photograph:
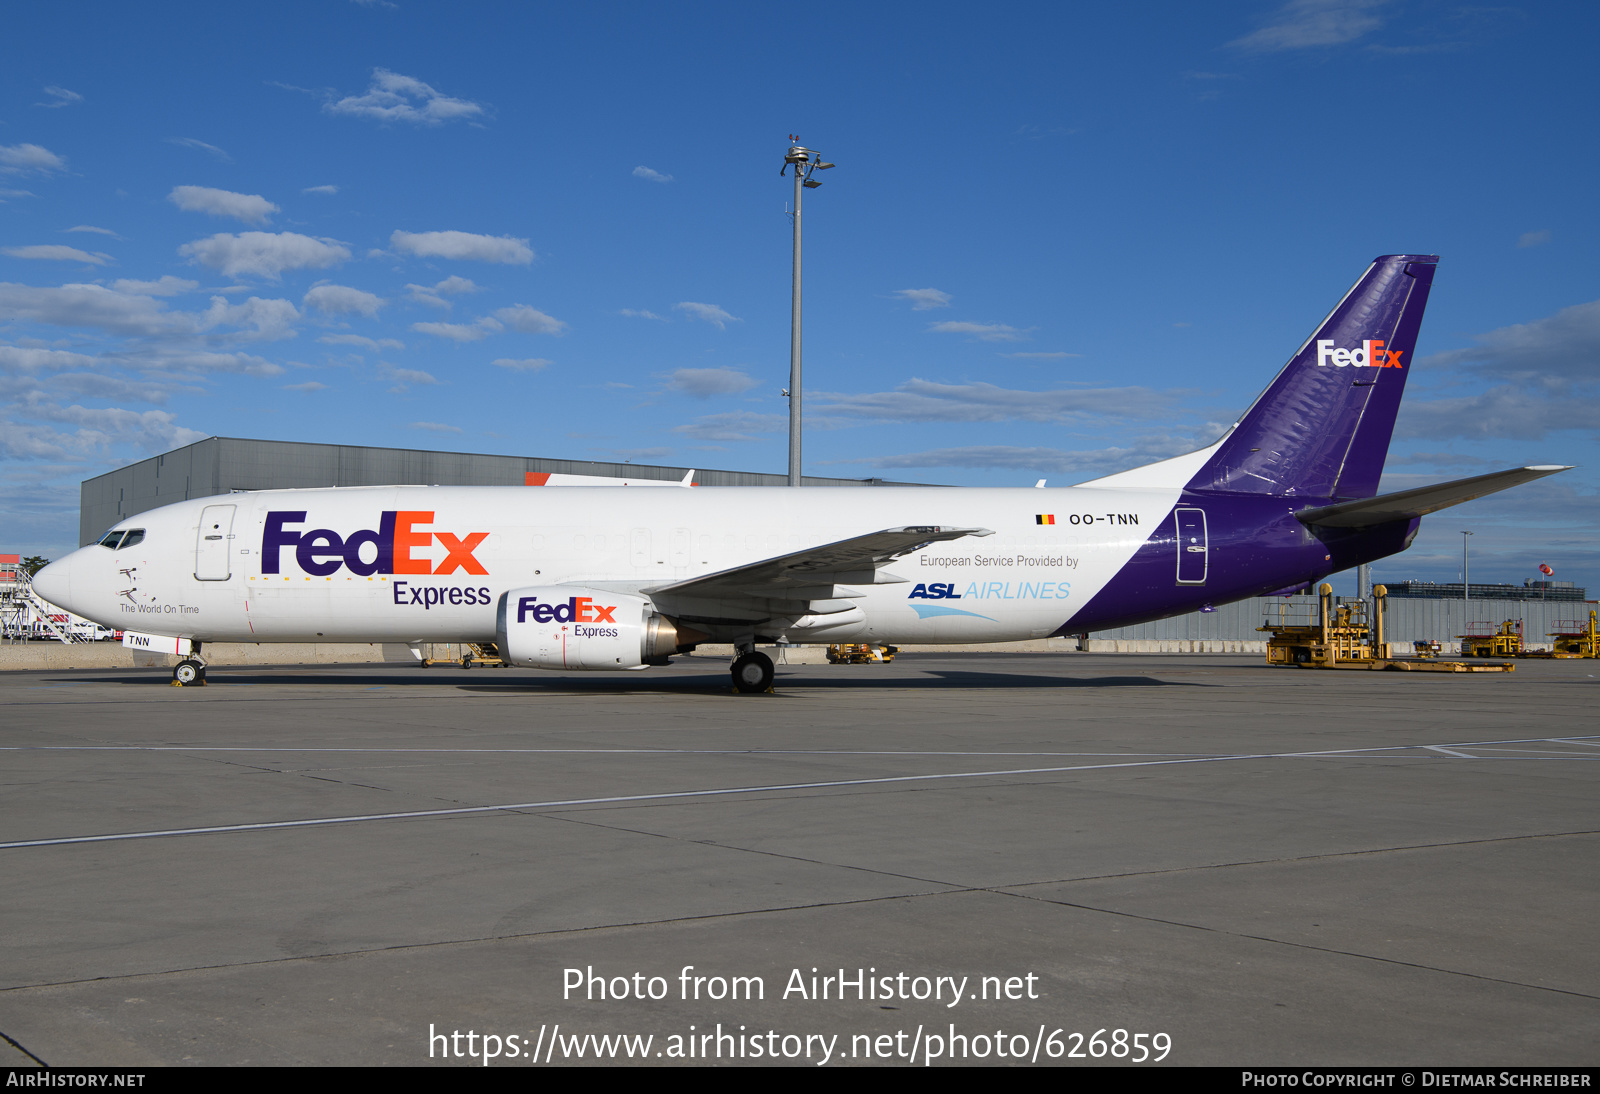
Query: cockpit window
[[119, 538]]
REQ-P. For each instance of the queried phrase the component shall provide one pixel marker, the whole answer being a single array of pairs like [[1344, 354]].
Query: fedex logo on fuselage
[[1370, 354], [321, 551], [578, 609]]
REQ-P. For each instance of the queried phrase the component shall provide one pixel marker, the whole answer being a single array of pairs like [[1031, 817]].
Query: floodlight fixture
[[805, 162]]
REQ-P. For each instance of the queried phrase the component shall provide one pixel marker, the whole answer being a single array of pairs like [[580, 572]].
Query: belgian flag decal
[[1045, 518]]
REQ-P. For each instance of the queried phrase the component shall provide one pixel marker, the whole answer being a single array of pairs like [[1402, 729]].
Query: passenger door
[[213, 545]]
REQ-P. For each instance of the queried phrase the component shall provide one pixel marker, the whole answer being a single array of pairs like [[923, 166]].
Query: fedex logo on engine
[[1370, 354], [578, 609], [321, 551]]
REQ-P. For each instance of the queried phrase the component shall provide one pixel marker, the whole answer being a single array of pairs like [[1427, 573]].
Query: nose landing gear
[[189, 673]]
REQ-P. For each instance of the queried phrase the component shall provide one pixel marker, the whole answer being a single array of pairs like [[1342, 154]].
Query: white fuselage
[[243, 568]]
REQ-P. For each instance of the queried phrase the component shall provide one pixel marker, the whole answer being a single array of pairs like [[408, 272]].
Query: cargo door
[[213, 545], [1192, 546]]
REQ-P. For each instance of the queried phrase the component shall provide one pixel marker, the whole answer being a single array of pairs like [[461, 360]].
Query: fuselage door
[[1191, 546], [213, 545]]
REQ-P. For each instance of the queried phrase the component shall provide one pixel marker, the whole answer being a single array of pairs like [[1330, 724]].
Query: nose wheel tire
[[752, 673], [189, 673]]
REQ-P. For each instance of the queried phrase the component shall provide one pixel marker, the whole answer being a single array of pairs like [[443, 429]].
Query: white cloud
[[86, 306], [520, 317], [649, 175], [343, 300], [927, 401], [92, 228], [99, 385], [630, 312], [60, 97], [1300, 24], [463, 245], [272, 319], [190, 142], [461, 332], [531, 364], [166, 286], [306, 388], [737, 425], [264, 254], [924, 299], [436, 427], [1534, 239], [433, 295], [709, 312], [392, 97], [250, 208], [57, 252], [703, 383], [1566, 344], [404, 376], [1505, 412], [987, 332], [320, 190], [16, 159], [358, 340], [38, 358], [1091, 462], [99, 429]]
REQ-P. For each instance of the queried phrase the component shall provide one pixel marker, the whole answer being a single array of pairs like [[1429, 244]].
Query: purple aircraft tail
[[1322, 428]]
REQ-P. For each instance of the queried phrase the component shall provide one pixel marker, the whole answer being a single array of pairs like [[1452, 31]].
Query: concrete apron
[[106, 655]]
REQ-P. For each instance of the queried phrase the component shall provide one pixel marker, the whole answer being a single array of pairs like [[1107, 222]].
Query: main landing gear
[[752, 673]]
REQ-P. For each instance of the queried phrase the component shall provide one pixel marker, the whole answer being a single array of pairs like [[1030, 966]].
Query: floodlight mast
[[805, 161]]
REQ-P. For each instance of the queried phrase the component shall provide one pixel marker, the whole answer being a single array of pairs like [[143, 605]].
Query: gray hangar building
[[221, 465]]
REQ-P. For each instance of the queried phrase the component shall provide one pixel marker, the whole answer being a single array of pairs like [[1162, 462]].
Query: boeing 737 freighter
[[597, 578]]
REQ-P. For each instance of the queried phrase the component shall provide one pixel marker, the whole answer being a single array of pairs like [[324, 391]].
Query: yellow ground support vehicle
[[1574, 638], [1487, 640], [861, 654], [1337, 637], [475, 653]]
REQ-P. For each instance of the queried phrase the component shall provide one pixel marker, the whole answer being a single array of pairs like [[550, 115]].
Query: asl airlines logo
[[321, 551], [1371, 354]]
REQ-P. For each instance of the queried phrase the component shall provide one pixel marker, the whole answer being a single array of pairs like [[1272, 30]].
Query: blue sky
[[1061, 239]]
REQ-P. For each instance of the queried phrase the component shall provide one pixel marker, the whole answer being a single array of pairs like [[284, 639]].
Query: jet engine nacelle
[[571, 627]]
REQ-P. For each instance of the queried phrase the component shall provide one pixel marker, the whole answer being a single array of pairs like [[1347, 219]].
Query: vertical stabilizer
[[1322, 428]]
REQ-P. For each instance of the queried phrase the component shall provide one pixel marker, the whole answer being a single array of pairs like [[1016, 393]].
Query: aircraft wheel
[[189, 672], [752, 673]]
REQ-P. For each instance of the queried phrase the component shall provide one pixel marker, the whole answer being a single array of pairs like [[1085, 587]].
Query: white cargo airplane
[[600, 578]]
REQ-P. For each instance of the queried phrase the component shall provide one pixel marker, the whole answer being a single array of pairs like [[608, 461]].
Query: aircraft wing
[[815, 572], [1407, 504]]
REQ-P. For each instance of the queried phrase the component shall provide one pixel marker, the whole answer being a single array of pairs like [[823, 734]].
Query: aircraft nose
[[54, 583]]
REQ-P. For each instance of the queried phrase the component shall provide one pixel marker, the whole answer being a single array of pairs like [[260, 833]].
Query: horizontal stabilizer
[[802, 570], [1408, 504]]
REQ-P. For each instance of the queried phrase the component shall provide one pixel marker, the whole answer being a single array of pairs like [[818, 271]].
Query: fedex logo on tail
[[322, 551], [1370, 354]]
